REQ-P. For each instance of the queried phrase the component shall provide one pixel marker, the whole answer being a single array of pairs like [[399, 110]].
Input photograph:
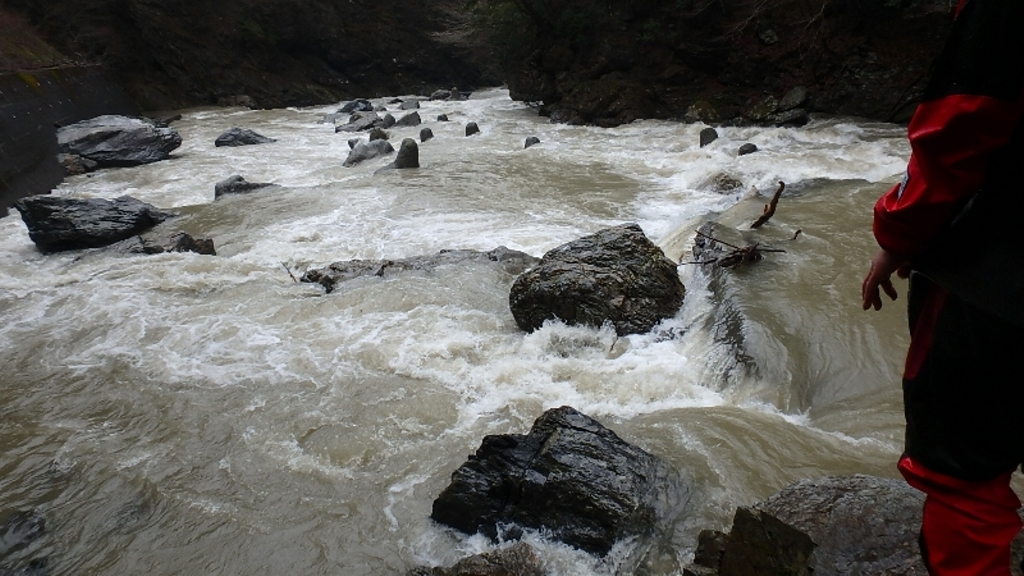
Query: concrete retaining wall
[[32, 106]]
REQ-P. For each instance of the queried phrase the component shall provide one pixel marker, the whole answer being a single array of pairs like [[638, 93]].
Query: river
[[187, 414]]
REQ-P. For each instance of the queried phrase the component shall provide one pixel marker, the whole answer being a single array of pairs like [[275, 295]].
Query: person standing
[[948, 226]]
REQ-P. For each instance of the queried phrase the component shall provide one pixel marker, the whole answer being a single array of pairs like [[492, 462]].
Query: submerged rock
[[241, 137], [367, 150], [570, 477], [20, 530], [472, 128], [747, 148], [56, 223], [511, 262], [519, 559], [616, 275], [118, 141], [238, 185], [531, 141]]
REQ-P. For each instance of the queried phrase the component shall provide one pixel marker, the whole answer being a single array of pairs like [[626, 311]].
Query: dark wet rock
[[616, 275], [426, 134], [387, 121], [238, 185], [763, 110], [377, 134], [794, 117], [57, 223], [442, 117], [74, 165], [511, 262], [519, 559], [410, 119], [707, 136], [20, 530], [570, 477], [367, 150], [4, 212], [408, 154], [747, 148], [795, 98], [531, 141], [352, 143], [759, 543], [177, 242], [357, 105], [701, 111], [472, 128], [710, 548], [410, 105], [441, 95], [118, 141], [241, 137], [237, 101], [359, 121]]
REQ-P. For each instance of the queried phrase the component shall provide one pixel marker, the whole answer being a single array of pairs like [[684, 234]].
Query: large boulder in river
[[118, 140], [571, 478], [616, 275], [241, 137], [367, 150], [57, 223], [519, 559], [511, 262]]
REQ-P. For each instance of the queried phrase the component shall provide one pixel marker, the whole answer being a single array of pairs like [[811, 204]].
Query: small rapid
[[177, 413]]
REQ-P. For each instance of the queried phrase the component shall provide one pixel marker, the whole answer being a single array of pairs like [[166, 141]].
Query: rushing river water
[[187, 414]]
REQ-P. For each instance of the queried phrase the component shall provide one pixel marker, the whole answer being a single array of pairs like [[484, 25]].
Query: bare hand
[[880, 276]]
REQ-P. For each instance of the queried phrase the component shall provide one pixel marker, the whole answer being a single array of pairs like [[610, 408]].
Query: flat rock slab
[[57, 223], [511, 261]]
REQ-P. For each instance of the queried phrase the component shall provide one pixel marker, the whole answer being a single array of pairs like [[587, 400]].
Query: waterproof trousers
[[964, 404]]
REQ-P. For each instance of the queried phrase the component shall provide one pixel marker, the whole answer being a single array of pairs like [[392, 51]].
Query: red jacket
[[972, 110]]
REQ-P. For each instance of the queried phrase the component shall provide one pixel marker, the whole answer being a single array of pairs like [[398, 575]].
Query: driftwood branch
[[289, 272], [769, 209], [738, 255]]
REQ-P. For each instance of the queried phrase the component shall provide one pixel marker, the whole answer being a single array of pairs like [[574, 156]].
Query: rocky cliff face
[[611, 61], [176, 53]]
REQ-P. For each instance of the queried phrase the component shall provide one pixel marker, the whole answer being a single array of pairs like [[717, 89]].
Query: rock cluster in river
[[615, 276]]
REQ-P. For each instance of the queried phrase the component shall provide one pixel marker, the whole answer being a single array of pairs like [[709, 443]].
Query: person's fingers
[[869, 295], [890, 291]]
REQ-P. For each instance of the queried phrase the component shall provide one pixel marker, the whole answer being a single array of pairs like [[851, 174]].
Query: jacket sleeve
[[973, 107]]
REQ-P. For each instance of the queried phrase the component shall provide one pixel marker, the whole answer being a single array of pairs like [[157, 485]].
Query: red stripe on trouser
[[967, 526]]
